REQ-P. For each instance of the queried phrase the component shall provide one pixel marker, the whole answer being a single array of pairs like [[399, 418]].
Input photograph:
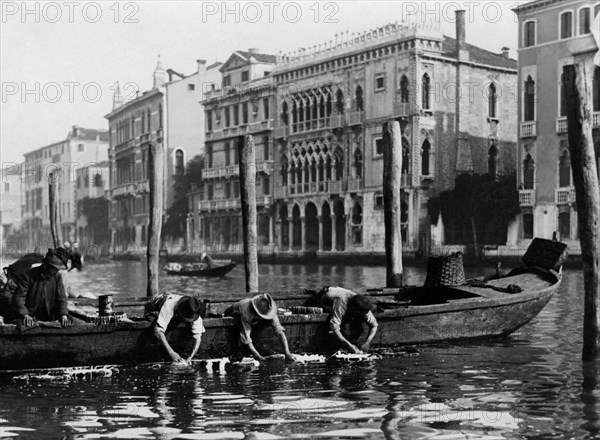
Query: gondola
[[198, 270]]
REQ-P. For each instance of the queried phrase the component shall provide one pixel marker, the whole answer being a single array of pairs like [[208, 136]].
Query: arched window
[[564, 169], [359, 99], [529, 100], [339, 102], [160, 116], [292, 173], [358, 163], [209, 156], [328, 168], [404, 95], [566, 25], [528, 172], [596, 90], [425, 153], [584, 21], [313, 170], [492, 101], [132, 126], [405, 155], [284, 167], [563, 96], [357, 214], [493, 160], [339, 164], [179, 167], [426, 83], [143, 124], [149, 117], [284, 113], [329, 105], [227, 151]]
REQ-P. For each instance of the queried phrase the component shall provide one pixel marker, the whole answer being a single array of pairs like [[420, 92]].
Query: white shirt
[[167, 311]]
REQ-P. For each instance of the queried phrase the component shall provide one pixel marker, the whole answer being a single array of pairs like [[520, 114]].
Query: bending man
[[254, 312], [170, 310], [349, 311]]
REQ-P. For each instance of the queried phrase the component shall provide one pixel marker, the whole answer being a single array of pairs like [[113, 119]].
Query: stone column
[[270, 237], [290, 233], [279, 235], [302, 233], [320, 218], [333, 233]]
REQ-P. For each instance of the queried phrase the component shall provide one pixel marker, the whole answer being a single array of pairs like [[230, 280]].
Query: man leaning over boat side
[[168, 311], [349, 310], [257, 311], [40, 295]]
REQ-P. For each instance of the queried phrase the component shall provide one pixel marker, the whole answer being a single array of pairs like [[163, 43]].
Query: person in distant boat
[[256, 312], [40, 295], [168, 311], [348, 311], [206, 259]]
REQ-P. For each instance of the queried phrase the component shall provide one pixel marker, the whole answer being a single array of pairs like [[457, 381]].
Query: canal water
[[529, 385]]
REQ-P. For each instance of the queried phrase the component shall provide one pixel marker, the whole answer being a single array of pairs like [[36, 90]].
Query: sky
[[59, 61]]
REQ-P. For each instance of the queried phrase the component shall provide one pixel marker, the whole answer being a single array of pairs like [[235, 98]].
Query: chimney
[[505, 52], [201, 65], [76, 131], [461, 47]]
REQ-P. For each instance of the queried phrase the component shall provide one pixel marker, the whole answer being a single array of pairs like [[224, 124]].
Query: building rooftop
[[88, 134], [260, 57], [479, 55]]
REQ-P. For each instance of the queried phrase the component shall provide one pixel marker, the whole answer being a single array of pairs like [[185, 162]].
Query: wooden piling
[[578, 88], [155, 172], [247, 164], [54, 211], [392, 173]]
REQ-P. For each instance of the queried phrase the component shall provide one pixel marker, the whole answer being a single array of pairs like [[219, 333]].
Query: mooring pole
[[155, 166], [247, 163], [53, 211], [578, 88], [392, 173]]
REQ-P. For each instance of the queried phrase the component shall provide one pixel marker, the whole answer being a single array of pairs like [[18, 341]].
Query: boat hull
[[132, 342], [218, 271]]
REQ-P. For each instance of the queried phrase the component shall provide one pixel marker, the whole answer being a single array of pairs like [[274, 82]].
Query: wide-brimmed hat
[[54, 259], [189, 308], [264, 306]]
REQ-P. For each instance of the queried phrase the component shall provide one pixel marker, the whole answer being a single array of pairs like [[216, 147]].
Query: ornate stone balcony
[[564, 195], [527, 197], [528, 129]]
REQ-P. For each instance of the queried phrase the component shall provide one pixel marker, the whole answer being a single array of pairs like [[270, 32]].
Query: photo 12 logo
[[255, 12], [69, 91], [69, 12]]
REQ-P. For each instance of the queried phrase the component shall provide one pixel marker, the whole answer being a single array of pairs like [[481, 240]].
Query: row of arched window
[[125, 128]]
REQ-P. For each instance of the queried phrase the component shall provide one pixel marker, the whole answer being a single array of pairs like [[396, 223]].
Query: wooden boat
[[406, 316], [197, 270]]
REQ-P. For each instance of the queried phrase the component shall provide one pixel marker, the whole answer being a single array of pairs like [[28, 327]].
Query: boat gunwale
[[403, 311]]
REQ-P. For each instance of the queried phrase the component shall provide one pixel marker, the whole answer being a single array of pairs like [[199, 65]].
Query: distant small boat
[[199, 270]]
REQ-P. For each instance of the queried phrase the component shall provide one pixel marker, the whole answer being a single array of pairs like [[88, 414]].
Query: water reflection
[[531, 385]]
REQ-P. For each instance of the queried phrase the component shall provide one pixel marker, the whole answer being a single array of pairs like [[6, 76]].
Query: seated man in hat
[[40, 295], [170, 309], [349, 311], [253, 312]]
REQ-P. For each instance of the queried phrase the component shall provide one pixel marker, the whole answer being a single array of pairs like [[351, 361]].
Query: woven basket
[[445, 270]]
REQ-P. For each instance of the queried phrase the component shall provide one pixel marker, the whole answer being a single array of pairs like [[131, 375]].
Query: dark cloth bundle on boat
[[445, 270], [547, 254]]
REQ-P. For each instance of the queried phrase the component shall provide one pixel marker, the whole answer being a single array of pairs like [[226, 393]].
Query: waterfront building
[[455, 103], [82, 147], [552, 34], [169, 115], [91, 183], [11, 206], [241, 105]]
